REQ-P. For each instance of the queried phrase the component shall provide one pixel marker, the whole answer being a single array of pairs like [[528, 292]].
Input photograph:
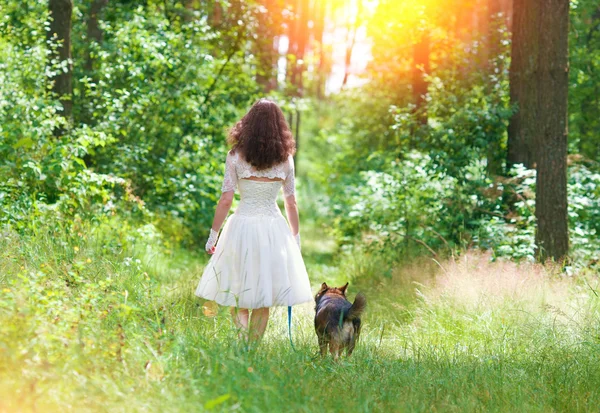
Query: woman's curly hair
[[263, 136]]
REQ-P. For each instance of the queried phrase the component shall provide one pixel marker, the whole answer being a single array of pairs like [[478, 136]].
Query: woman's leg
[[258, 323], [240, 319]]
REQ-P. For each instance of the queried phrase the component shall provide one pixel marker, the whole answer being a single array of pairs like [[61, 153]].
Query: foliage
[[96, 295], [149, 116], [107, 313], [397, 184], [167, 96], [405, 184], [40, 172], [584, 70], [411, 201]]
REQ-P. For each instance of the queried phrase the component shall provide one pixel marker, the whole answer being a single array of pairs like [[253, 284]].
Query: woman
[[257, 262]]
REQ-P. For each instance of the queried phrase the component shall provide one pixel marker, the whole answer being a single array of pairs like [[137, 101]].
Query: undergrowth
[[100, 319]]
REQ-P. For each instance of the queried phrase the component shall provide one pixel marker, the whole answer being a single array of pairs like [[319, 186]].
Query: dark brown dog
[[337, 320]]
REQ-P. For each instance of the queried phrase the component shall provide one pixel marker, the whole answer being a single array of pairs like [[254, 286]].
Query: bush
[[147, 137], [404, 187]]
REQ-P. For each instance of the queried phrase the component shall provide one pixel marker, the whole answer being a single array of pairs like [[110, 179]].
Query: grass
[[86, 327]]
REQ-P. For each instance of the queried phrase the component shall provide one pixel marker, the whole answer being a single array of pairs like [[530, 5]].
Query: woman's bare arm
[[221, 213], [291, 210], [222, 210]]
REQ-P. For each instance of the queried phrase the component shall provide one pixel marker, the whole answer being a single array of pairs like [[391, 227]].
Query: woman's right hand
[[211, 242]]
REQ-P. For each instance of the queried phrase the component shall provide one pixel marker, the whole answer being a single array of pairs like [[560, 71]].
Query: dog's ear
[[324, 287], [344, 288]]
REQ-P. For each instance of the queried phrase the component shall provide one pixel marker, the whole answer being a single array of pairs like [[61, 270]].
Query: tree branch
[[418, 241], [211, 88]]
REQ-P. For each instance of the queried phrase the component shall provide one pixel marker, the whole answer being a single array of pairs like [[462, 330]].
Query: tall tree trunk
[[507, 11], [351, 41], [495, 19], [189, 9], [267, 31], [94, 32], [552, 236], [464, 29], [490, 52], [60, 32], [301, 37], [523, 77], [319, 30], [421, 51], [216, 16], [293, 24]]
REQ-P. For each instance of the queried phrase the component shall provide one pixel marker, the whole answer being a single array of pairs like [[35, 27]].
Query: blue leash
[[290, 326]]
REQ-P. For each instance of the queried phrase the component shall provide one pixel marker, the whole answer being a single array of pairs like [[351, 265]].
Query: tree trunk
[[494, 24], [490, 52], [190, 7], [266, 55], [60, 33], [301, 38], [420, 70], [523, 78], [351, 41], [292, 35], [550, 138], [319, 30], [507, 11], [94, 32], [216, 16], [465, 28]]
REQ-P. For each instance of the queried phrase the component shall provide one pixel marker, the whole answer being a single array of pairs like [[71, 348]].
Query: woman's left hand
[[297, 239]]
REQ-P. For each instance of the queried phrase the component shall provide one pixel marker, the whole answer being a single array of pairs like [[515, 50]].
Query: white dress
[[257, 262]]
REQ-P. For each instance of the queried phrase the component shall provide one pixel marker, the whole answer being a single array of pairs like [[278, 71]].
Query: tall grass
[[87, 327]]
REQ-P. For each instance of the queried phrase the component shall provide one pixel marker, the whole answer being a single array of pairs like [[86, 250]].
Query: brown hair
[[262, 136]]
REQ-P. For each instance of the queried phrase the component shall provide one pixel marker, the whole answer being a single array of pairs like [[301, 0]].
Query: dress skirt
[[256, 264]]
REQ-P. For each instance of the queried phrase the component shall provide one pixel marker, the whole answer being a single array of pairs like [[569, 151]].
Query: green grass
[[87, 328]]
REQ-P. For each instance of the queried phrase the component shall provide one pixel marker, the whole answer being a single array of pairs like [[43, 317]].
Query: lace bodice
[[258, 198], [237, 169]]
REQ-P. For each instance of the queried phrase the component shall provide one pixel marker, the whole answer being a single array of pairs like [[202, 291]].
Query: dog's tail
[[360, 302]]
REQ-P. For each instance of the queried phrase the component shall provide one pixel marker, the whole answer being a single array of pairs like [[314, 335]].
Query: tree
[[60, 36], [298, 40], [269, 22], [493, 25], [538, 131], [550, 138], [319, 31], [420, 71], [523, 76], [584, 90], [94, 32], [351, 40]]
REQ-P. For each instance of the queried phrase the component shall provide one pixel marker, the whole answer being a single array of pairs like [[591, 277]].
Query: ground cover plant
[[87, 328]]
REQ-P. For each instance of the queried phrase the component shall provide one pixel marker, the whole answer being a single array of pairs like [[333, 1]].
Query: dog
[[337, 320]]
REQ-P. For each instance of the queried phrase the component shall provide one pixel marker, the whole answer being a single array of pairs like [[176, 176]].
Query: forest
[[448, 167]]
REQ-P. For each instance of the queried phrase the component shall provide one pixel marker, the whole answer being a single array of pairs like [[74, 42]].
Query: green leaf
[[25, 143], [211, 404]]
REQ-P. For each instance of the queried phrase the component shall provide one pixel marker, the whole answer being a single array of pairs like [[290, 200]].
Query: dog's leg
[[334, 349], [323, 347], [322, 343], [350, 347], [354, 338]]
